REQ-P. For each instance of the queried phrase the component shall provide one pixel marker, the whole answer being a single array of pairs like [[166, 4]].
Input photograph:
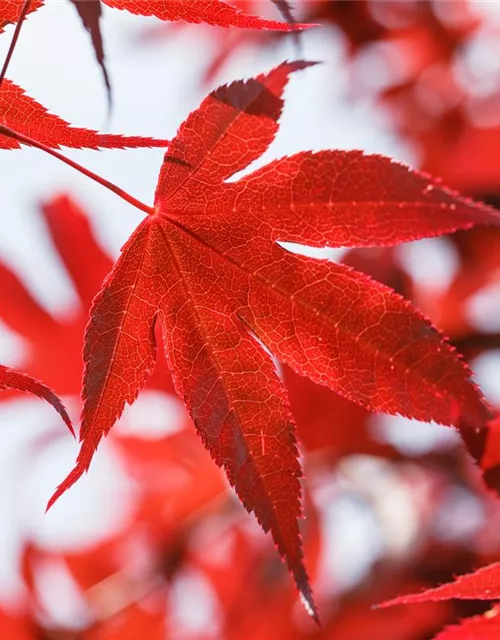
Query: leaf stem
[[7, 131], [15, 37]]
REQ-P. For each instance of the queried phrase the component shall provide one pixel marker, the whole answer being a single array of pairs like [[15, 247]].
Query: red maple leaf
[[213, 12], [486, 627], [10, 379], [28, 117], [483, 584], [207, 265]]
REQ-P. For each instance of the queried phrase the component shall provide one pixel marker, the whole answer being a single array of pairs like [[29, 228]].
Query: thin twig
[[7, 131], [15, 37]]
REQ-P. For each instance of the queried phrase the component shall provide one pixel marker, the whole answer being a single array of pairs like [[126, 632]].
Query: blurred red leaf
[[177, 479], [120, 602], [358, 622], [350, 618], [326, 420], [455, 166], [54, 346]]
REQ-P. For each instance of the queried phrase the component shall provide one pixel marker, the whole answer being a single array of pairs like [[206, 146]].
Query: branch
[[7, 131]]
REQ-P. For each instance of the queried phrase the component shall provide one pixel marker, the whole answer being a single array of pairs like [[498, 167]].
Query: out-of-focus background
[[152, 543]]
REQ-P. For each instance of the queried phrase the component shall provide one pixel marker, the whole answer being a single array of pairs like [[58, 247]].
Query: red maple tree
[[269, 348]]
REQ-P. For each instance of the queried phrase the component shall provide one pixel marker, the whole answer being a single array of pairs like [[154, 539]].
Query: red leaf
[[177, 479], [138, 620], [207, 265], [485, 627], [483, 584], [26, 116], [14, 626], [10, 379], [455, 166], [214, 12]]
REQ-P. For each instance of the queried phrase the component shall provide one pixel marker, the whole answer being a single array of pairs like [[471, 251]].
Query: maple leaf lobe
[[233, 126]]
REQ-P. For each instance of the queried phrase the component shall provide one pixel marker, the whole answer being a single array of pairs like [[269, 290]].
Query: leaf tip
[[67, 421], [306, 597], [82, 465], [302, 26], [305, 591], [49, 396], [298, 65]]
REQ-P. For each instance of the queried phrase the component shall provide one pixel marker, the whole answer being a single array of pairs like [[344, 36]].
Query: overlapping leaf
[[208, 265], [10, 11], [10, 379], [26, 116]]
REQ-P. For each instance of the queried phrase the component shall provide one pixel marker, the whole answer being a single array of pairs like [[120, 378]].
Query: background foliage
[[392, 506]]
